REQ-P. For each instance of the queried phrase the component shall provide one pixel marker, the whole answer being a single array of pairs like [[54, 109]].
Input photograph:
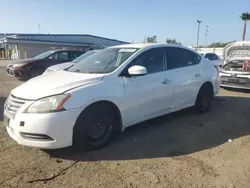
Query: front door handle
[[166, 81], [197, 75]]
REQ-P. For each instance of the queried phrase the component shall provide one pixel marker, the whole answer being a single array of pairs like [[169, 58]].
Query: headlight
[[49, 104], [19, 65]]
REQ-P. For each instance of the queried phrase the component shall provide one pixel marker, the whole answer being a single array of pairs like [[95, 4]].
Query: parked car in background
[[107, 92], [62, 66], [214, 58], [30, 68], [236, 72]]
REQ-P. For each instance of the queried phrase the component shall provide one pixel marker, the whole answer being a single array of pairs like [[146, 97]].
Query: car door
[[184, 65], [149, 95]]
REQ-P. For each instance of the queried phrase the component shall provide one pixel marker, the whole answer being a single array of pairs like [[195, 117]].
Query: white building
[[19, 46], [218, 51]]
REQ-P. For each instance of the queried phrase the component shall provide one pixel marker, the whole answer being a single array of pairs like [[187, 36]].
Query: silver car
[[62, 66], [236, 71]]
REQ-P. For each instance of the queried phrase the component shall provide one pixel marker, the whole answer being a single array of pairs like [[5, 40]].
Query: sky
[[128, 20]]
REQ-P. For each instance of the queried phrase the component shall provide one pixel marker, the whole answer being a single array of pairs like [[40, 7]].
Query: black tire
[[204, 98], [95, 127], [36, 71]]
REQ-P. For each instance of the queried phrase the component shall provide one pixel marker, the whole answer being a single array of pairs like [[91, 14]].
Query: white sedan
[[214, 58], [107, 92]]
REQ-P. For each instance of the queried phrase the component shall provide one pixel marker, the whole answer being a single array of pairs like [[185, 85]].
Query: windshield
[[103, 61], [44, 55], [80, 58]]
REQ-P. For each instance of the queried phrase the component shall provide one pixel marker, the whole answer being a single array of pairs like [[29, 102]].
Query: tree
[[244, 17], [172, 41], [219, 44], [152, 39]]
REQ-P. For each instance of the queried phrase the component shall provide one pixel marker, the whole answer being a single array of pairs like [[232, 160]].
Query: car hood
[[23, 61], [237, 51], [52, 84], [60, 66]]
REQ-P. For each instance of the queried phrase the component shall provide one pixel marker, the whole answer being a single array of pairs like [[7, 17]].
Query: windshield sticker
[[127, 50]]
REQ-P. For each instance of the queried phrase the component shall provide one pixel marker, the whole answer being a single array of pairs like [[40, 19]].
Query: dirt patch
[[183, 149]]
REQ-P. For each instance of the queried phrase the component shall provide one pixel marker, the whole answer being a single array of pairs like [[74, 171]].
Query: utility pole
[[199, 22], [206, 33]]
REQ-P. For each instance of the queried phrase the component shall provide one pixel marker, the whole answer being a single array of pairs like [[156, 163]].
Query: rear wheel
[[95, 127], [204, 98], [35, 72]]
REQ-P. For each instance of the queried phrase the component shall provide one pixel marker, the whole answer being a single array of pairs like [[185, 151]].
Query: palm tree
[[244, 17]]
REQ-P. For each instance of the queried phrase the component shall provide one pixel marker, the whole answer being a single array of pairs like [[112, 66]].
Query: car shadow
[[176, 134], [2, 101], [236, 89]]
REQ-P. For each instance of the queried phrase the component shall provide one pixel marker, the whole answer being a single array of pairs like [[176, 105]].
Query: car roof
[[152, 45], [144, 45]]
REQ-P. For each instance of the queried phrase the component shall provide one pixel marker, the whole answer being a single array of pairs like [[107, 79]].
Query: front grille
[[13, 104]]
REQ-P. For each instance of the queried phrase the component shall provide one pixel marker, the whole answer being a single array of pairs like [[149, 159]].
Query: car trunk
[[236, 54]]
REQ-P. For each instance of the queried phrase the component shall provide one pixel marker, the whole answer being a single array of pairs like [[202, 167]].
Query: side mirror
[[137, 70]]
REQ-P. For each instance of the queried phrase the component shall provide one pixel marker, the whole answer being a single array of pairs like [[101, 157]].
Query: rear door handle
[[166, 81], [197, 75]]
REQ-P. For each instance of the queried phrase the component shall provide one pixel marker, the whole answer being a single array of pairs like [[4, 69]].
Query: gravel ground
[[183, 149]]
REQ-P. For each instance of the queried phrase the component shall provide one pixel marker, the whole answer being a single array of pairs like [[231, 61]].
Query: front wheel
[[95, 127]]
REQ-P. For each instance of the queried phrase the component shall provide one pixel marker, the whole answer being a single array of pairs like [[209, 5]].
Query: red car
[[29, 68]]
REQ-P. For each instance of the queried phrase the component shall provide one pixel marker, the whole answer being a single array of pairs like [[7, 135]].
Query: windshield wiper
[[68, 68]]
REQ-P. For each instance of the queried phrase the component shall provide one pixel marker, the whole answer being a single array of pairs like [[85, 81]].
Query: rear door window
[[180, 57]]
